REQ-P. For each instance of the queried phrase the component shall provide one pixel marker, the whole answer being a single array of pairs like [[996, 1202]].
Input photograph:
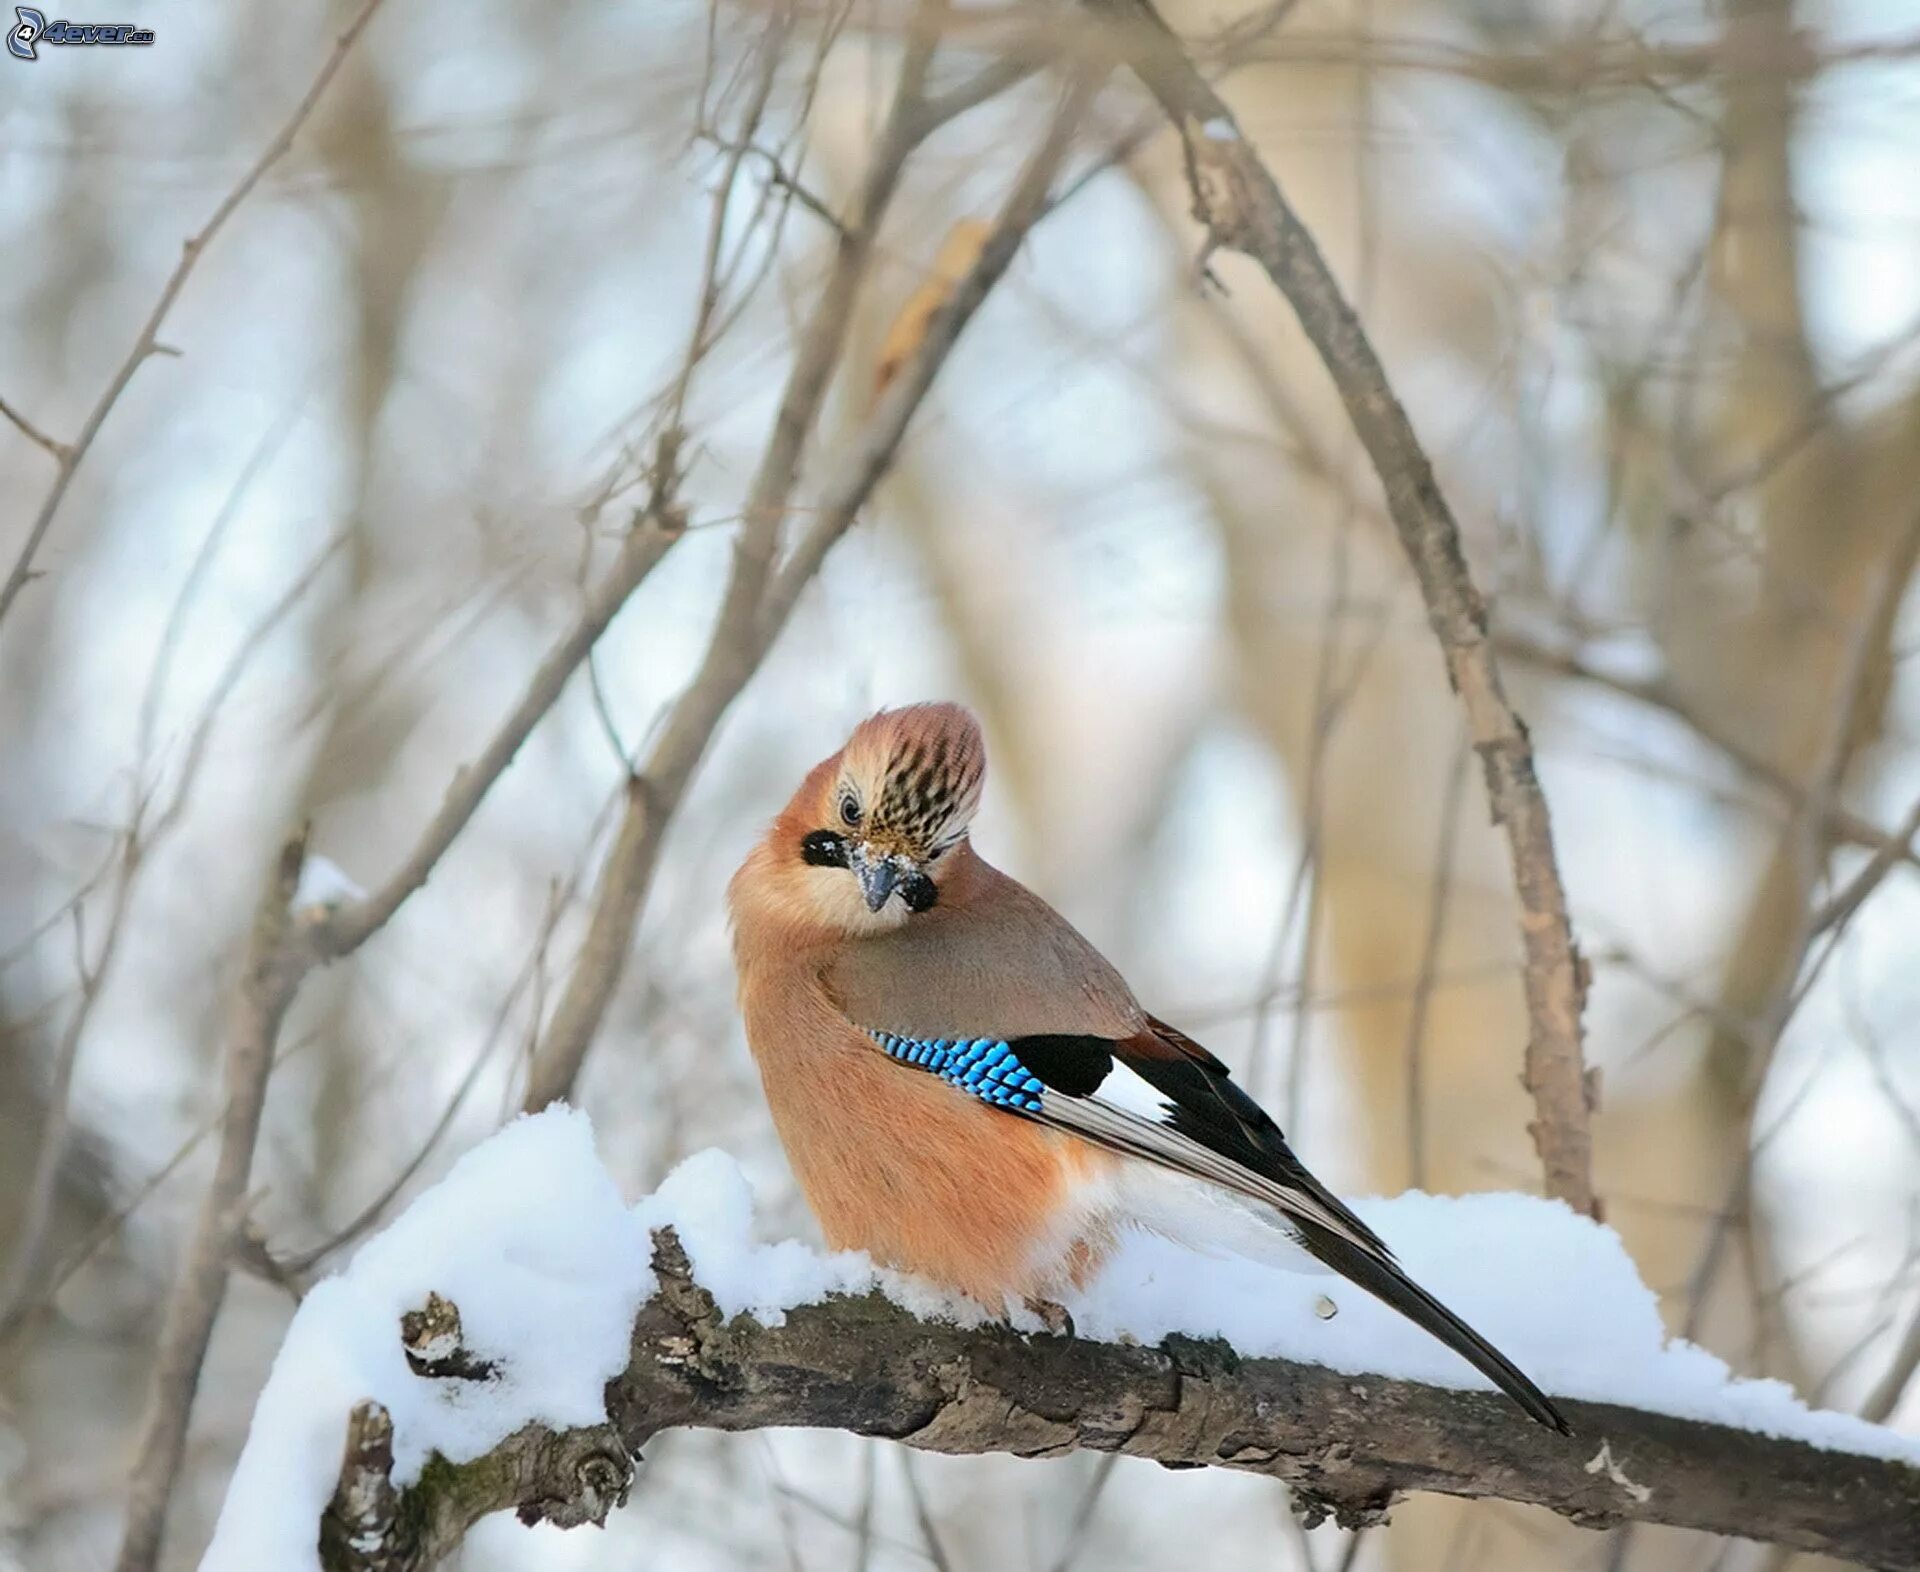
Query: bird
[[968, 1091]]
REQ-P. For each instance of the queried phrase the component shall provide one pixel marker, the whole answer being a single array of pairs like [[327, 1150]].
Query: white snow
[[709, 1202], [324, 883], [527, 1234], [1554, 1291]]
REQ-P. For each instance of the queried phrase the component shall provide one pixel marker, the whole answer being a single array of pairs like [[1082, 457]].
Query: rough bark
[[1347, 1445]]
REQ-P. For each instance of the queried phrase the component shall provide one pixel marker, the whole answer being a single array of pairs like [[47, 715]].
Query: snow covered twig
[[1347, 1445], [516, 1336]]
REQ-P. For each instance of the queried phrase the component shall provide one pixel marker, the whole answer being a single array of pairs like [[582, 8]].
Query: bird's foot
[[1052, 1316]]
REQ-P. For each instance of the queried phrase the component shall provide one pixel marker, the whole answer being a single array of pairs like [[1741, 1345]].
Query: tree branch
[[67, 456], [277, 958], [652, 536], [284, 948], [1347, 1445], [1237, 200], [1659, 694]]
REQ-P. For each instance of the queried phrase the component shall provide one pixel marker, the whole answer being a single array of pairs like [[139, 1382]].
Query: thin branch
[[110, 1226], [1347, 1445], [147, 343], [1660, 695], [929, 1534], [1847, 901], [302, 1262], [733, 652], [280, 955], [872, 451], [36, 1210], [276, 961], [145, 832], [643, 547], [60, 452], [1429, 969], [1891, 1387], [1804, 841], [1242, 208]]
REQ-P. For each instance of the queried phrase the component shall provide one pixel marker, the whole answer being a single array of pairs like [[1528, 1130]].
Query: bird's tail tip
[[1389, 1282]]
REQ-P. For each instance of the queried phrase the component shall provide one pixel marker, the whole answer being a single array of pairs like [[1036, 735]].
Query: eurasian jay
[[967, 1090]]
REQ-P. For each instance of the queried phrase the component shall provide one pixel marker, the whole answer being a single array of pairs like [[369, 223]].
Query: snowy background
[[1681, 433]]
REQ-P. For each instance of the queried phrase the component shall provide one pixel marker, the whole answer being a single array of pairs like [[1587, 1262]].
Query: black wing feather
[[1208, 1108], [1211, 1129]]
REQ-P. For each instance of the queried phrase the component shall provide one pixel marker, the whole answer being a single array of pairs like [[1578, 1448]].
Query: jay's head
[[875, 825]]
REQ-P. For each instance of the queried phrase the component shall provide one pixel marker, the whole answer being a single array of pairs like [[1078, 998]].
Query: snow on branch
[[519, 1335]]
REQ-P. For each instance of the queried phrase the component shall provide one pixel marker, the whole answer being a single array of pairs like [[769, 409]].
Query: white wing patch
[[1124, 1113], [1129, 1092]]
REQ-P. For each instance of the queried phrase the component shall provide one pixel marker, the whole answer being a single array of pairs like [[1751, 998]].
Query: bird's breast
[[924, 1178]]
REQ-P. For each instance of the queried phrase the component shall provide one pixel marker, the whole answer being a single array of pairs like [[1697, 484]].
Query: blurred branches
[[68, 456], [1241, 207], [286, 945], [760, 593]]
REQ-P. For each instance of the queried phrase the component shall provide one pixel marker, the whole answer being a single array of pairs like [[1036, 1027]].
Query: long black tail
[[1389, 1284]]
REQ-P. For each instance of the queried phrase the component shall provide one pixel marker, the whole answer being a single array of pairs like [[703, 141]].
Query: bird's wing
[[1158, 1095], [1000, 975], [1154, 1094], [996, 993]]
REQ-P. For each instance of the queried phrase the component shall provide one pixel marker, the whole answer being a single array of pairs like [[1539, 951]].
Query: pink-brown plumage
[[967, 1090], [890, 1162]]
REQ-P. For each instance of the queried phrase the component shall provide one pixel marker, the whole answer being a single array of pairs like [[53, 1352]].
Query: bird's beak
[[877, 875]]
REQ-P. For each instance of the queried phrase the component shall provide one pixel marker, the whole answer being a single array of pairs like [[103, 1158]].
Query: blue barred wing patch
[[984, 1067]]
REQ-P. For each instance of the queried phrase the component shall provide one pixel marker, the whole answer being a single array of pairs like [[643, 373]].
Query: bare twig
[[1661, 695], [146, 343], [145, 831], [1242, 208], [1848, 900], [1805, 843], [1429, 971], [1892, 1386], [59, 450], [110, 1225], [276, 960], [731, 657], [923, 1518], [298, 1263], [280, 954], [642, 548], [37, 1209]]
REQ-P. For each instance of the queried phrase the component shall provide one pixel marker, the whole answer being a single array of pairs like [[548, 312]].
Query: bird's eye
[[849, 809]]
